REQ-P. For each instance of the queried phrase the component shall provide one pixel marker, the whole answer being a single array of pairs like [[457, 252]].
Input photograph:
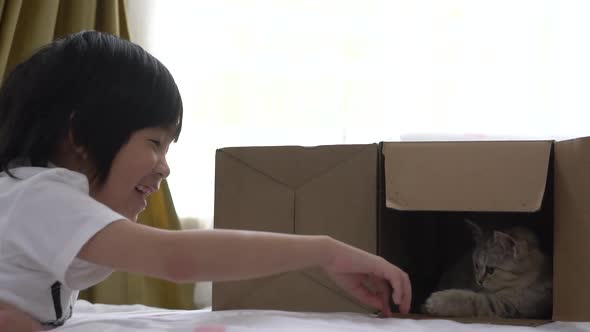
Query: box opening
[[425, 239]]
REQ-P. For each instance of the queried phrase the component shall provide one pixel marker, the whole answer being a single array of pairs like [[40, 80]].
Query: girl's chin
[[132, 216]]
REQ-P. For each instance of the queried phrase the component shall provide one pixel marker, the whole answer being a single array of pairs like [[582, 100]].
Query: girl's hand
[[368, 278]]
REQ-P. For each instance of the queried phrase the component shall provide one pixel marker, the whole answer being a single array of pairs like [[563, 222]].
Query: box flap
[[293, 166], [290, 291], [571, 259], [327, 190], [342, 202], [505, 176], [243, 194]]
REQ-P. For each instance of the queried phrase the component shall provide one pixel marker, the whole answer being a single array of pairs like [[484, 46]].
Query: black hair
[[95, 85]]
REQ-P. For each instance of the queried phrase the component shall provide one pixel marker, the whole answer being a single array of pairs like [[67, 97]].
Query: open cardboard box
[[406, 201]]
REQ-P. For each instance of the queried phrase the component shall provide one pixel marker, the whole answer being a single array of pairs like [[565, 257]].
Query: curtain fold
[[25, 26]]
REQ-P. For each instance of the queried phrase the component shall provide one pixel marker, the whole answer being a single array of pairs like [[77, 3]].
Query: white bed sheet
[[109, 318]]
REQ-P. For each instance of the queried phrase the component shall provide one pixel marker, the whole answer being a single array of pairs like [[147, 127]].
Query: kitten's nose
[[479, 281], [479, 278]]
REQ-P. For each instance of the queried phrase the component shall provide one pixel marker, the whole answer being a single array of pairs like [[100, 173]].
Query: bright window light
[[312, 72]]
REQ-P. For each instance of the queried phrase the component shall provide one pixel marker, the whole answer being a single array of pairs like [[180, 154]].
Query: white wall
[[308, 72], [140, 16]]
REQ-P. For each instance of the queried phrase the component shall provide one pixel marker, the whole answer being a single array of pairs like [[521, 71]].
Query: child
[[85, 125]]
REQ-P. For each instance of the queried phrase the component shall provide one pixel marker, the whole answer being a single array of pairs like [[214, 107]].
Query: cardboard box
[[321, 190], [406, 201]]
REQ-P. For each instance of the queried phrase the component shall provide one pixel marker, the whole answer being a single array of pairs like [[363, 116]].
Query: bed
[[131, 318]]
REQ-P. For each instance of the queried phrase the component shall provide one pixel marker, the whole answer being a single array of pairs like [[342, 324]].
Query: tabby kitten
[[507, 276]]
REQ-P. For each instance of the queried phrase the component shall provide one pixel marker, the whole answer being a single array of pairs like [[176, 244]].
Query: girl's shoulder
[[37, 177]]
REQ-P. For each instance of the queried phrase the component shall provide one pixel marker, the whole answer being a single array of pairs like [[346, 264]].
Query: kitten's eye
[[490, 270]]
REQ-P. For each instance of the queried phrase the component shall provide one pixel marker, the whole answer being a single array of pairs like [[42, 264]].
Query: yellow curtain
[[26, 25]]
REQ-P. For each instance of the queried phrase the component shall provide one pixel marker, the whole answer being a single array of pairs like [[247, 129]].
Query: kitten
[[507, 276]]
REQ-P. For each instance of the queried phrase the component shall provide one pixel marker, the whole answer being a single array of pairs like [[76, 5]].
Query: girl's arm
[[14, 320], [220, 255]]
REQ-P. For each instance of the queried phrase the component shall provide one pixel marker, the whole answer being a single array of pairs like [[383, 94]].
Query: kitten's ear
[[507, 242], [475, 230]]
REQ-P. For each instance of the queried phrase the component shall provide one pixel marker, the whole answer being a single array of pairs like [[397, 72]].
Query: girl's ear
[[71, 155], [475, 230], [80, 151]]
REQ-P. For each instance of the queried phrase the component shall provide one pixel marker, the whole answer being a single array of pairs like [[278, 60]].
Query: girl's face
[[136, 172]]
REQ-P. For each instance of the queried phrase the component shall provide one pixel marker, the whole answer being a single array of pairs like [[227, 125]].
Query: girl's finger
[[407, 295], [367, 297], [383, 292], [397, 285]]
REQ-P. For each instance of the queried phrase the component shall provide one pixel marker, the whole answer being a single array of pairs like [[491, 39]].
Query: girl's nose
[[162, 168]]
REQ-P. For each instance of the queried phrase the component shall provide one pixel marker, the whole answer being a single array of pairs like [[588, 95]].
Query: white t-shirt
[[45, 219]]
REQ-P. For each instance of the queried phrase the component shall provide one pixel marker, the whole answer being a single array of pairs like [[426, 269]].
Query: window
[[311, 72]]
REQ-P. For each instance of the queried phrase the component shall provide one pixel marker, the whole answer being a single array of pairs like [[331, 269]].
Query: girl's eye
[[156, 142], [490, 270]]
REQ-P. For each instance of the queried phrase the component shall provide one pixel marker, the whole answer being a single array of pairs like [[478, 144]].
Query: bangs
[[158, 103], [144, 91]]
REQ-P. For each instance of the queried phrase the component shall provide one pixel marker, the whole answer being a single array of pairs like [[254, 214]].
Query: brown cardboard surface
[[322, 190], [466, 176], [290, 291], [571, 297], [496, 321], [440, 183], [333, 190]]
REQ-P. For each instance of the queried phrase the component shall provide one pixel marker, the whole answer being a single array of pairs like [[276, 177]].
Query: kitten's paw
[[450, 303], [435, 304]]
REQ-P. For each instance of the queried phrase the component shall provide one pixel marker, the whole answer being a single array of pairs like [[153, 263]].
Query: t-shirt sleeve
[[52, 218]]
